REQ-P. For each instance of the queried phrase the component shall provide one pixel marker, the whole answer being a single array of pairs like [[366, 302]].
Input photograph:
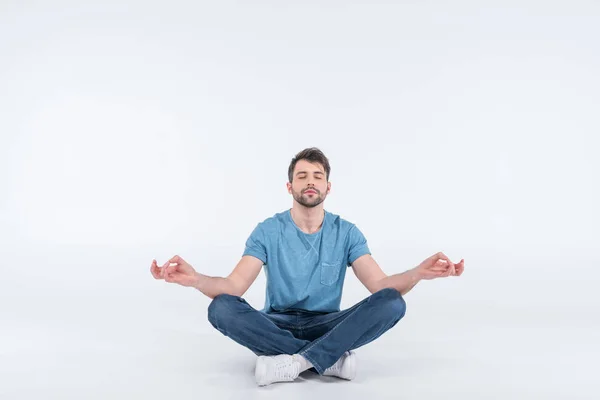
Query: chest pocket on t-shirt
[[330, 272]]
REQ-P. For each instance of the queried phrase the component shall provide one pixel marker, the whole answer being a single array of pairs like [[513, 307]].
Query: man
[[305, 251]]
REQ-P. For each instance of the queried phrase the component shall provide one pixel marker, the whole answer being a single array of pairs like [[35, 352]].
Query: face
[[309, 185]]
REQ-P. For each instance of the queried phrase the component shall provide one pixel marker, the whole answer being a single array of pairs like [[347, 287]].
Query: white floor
[[154, 342], [144, 129]]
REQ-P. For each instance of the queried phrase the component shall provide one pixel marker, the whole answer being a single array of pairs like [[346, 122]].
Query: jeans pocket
[[330, 272]]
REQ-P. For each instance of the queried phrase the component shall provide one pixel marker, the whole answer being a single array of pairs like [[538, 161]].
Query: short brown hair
[[312, 155]]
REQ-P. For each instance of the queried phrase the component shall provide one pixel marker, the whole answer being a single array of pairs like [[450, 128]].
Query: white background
[[135, 130]]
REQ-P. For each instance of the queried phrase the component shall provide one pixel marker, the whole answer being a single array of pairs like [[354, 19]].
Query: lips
[[310, 191]]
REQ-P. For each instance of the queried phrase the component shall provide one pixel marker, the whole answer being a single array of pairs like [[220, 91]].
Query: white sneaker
[[344, 368], [280, 368]]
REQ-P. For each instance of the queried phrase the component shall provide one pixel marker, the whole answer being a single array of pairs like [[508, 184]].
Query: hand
[[439, 266], [180, 272]]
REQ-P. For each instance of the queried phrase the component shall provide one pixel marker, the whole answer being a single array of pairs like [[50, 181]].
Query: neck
[[309, 220]]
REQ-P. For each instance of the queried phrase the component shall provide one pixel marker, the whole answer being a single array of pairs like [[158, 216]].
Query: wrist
[[197, 282], [417, 274]]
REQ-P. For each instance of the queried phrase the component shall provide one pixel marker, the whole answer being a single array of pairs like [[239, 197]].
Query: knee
[[391, 303], [219, 309]]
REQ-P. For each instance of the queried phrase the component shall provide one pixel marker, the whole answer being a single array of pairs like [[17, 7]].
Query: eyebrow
[[304, 172]]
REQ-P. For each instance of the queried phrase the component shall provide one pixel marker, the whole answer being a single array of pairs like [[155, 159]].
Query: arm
[[236, 284], [374, 279]]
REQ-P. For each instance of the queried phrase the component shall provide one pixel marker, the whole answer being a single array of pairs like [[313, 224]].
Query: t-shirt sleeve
[[255, 245], [357, 244]]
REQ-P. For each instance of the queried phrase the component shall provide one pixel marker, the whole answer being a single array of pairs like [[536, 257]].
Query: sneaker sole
[[260, 372]]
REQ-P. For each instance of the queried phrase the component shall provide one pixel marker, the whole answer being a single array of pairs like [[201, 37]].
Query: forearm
[[402, 282], [212, 286]]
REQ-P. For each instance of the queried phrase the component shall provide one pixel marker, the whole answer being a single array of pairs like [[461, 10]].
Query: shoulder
[[343, 225], [335, 219], [340, 223], [274, 222]]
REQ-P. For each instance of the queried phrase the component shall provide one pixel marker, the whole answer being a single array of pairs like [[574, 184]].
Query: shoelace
[[337, 367], [287, 370]]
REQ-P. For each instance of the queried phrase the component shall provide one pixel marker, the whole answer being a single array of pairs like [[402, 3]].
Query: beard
[[309, 202]]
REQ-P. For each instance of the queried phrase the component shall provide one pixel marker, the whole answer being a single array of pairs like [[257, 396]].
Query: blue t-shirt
[[305, 271]]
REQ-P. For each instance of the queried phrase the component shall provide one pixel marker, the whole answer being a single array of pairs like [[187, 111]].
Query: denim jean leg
[[236, 319], [361, 324]]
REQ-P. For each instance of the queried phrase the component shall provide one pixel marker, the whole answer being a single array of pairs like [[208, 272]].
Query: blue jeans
[[322, 338]]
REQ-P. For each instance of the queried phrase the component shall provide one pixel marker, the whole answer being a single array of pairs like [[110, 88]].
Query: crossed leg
[[331, 334]]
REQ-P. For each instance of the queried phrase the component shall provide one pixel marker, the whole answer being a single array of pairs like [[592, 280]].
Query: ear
[[328, 187], [289, 187]]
